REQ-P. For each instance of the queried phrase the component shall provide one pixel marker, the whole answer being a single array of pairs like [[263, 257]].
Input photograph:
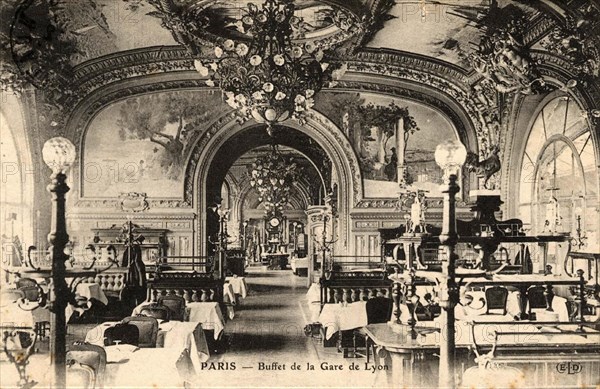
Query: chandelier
[[272, 78], [273, 176]]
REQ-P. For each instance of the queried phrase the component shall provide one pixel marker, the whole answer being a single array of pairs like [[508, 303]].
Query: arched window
[[12, 206], [559, 173], [11, 195]]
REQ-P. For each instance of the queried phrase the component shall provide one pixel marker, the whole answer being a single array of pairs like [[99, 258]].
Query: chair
[[159, 312], [496, 298], [379, 310], [17, 344], [81, 376], [31, 291], [176, 305], [148, 329], [536, 299], [90, 355], [30, 288], [122, 333]]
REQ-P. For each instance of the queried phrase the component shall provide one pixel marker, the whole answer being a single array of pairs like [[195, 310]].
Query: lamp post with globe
[[59, 154], [450, 156]]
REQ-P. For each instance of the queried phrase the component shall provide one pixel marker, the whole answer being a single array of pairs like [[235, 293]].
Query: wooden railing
[[355, 278], [187, 276]]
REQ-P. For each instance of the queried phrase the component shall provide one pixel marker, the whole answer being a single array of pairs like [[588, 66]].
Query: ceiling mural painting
[[162, 128], [195, 23], [447, 30]]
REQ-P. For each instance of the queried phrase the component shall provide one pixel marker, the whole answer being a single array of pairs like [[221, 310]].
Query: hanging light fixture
[[273, 78], [273, 176]]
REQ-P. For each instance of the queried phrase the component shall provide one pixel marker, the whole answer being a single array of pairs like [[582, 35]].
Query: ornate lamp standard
[[295, 227], [222, 241], [59, 154], [450, 156], [244, 237]]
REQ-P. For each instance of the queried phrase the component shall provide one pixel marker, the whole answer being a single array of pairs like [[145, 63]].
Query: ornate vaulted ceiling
[[470, 59], [444, 30]]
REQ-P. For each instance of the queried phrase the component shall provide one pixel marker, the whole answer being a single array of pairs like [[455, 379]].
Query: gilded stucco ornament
[[573, 40], [503, 59]]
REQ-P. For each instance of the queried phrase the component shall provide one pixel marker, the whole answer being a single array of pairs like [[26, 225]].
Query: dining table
[[229, 299], [145, 367], [239, 285], [343, 316], [207, 313], [408, 358], [171, 334]]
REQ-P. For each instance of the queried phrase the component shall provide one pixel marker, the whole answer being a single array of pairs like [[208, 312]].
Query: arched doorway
[[319, 140], [230, 164]]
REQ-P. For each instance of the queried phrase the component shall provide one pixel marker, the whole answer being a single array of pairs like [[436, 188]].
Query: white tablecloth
[[314, 293], [145, 368], [238, 284], [313, 298], [171, 334], [91, 290], [209, 314], [182, 335], [228, 294], [229, 297], [338, 317]]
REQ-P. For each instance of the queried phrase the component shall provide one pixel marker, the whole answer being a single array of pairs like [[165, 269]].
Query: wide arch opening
[[228, 184]]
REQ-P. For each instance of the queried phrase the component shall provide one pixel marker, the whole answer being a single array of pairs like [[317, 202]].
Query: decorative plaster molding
[[538, 28], [133, 202], [112, 203], [377, 216], [450, 80], [110, 216], [378, 203]]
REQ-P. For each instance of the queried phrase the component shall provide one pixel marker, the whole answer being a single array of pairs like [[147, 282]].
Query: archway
[[319, 140]]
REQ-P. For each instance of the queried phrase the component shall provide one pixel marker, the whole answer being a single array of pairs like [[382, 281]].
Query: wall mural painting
[[374, 125], [161, 129]]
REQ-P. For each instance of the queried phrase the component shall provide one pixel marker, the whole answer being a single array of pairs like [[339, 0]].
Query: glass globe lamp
[[59, 154], [450, 156]]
